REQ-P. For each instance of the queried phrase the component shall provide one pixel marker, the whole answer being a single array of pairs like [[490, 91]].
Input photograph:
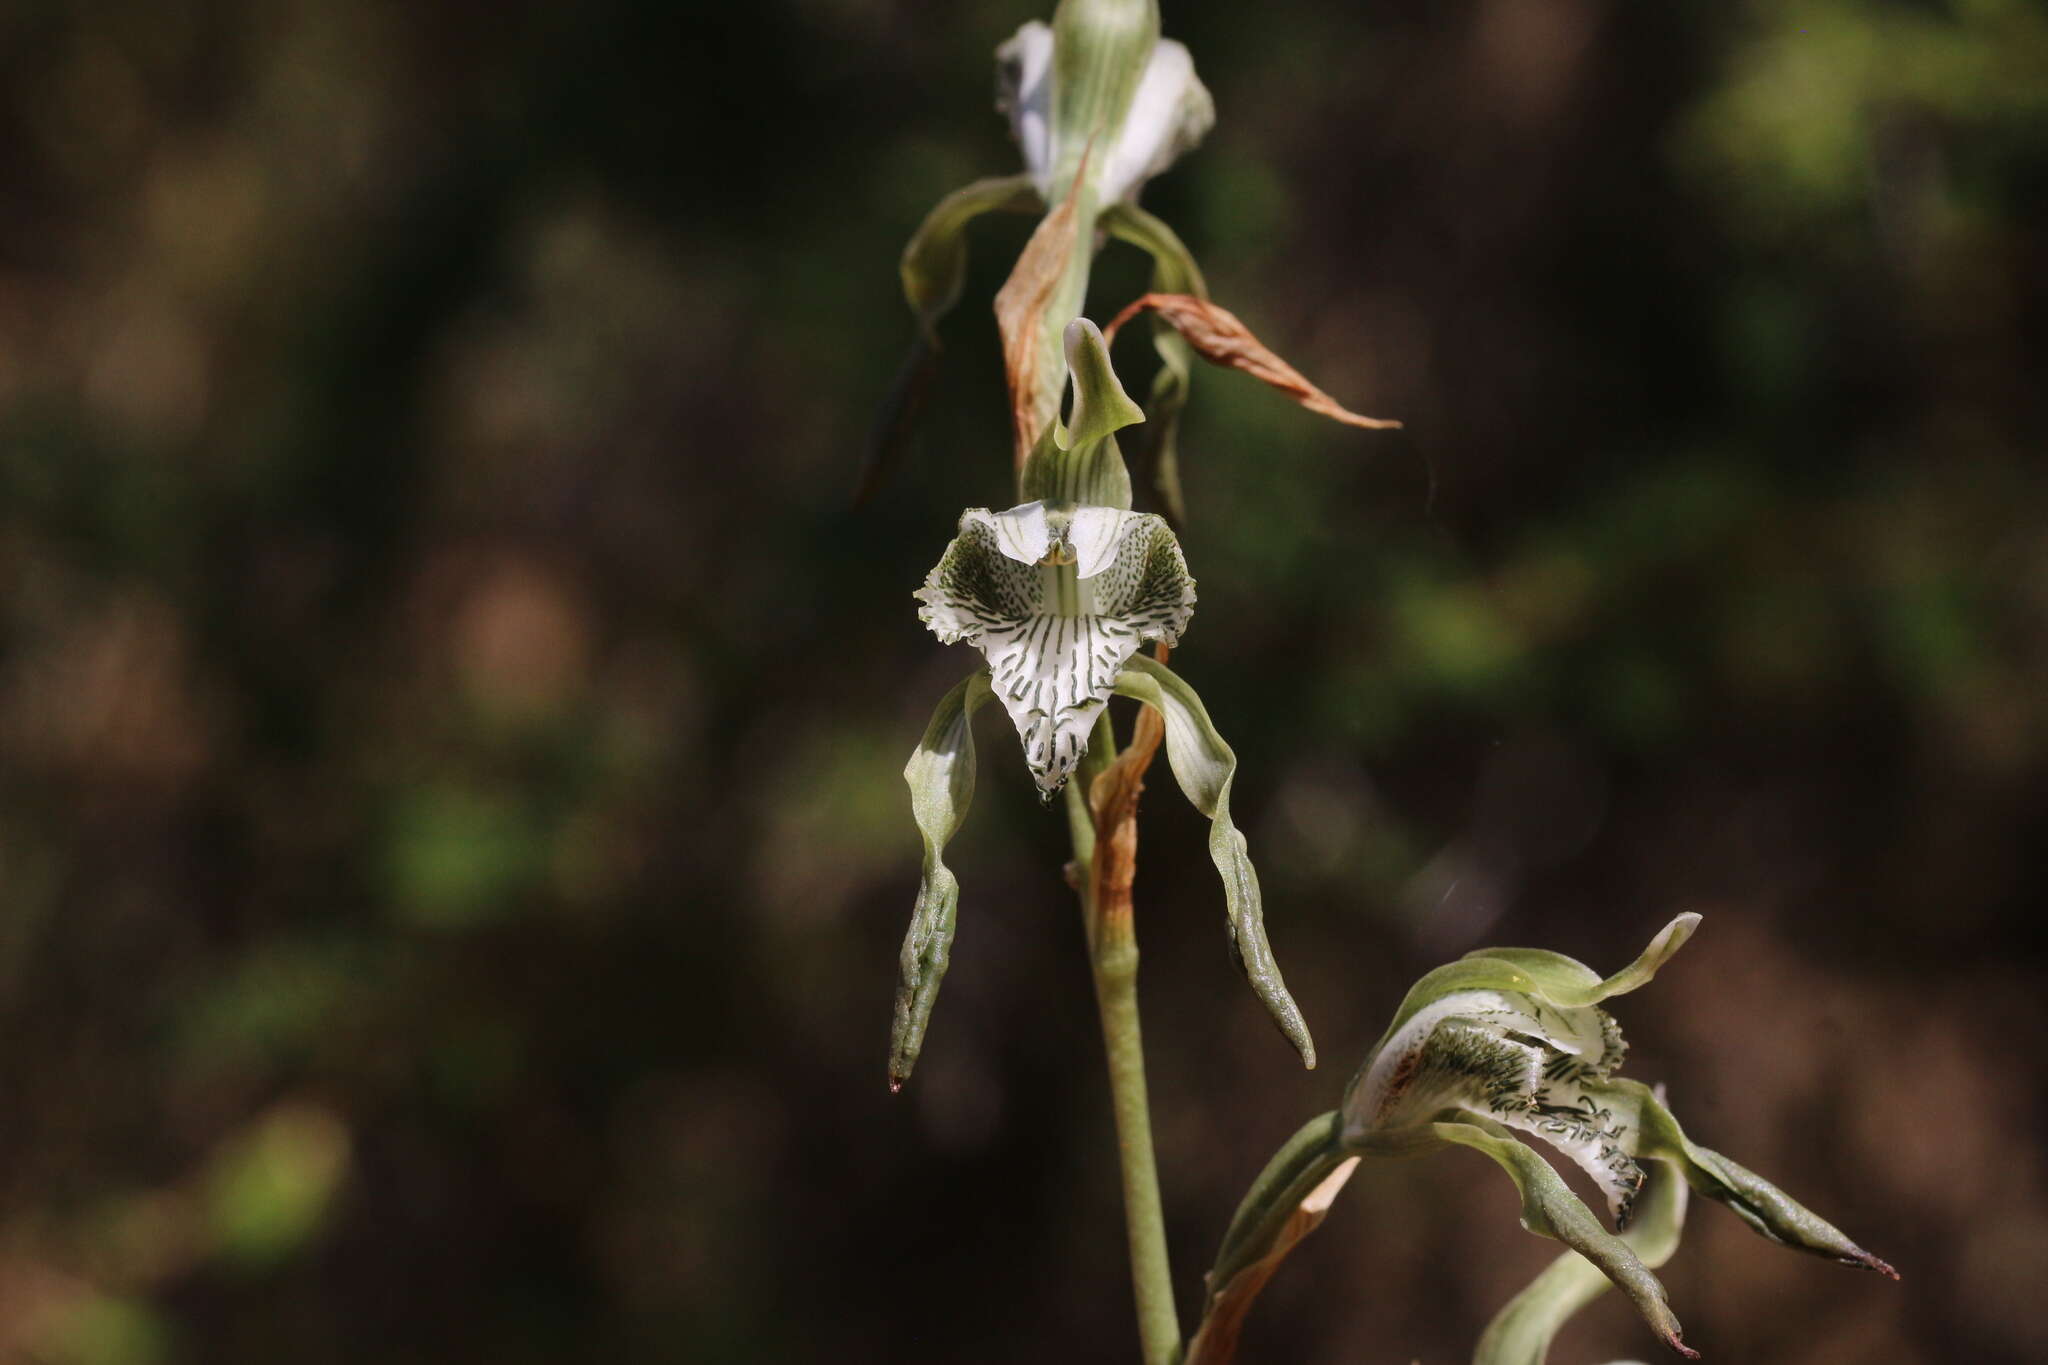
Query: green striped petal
[[934, 264], [1550, 1209]]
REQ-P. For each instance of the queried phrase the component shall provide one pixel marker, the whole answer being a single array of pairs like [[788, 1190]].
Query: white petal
[[1146, 585], [1024, 93], [975, 585], [1399, 1089], [1093, 533], [1020, 533], [1170, 113]]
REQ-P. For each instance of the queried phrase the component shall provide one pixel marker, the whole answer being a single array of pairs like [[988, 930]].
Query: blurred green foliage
[[452, 851]]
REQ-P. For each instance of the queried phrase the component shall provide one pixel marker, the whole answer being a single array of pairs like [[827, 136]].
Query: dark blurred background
[[452, 846]]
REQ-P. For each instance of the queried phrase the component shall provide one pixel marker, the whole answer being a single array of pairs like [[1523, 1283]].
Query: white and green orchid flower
[[1058, 597], [1059, 592], [1097, 83], [1058, 102], [1509, 1040], [1514, 1039]]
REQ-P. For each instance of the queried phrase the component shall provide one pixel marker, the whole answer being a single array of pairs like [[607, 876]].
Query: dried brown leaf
[[1216, 1342], [1113, 798], [1220, 338], [1020, 310]]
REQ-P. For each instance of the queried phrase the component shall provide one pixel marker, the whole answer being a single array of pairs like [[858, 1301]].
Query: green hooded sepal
[[1100, 76], [1079, 461]]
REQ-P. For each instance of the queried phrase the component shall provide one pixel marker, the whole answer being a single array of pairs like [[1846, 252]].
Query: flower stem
[[1116, 995], [1106, 850]]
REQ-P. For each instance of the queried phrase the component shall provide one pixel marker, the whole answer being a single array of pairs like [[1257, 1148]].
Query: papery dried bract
[[1221, 338], [1030, 355]]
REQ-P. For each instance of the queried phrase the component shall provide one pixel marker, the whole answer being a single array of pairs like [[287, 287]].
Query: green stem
[[1113, 958], [1116, 994]]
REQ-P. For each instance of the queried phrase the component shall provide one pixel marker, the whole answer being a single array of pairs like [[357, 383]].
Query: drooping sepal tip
[[940, 775], [1205, 766]]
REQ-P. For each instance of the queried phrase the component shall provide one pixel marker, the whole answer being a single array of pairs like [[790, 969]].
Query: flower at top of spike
[[1101, 70]]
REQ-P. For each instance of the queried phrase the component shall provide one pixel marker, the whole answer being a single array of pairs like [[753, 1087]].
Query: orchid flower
[[1098, 82], [1100, 87], [1169, 111], [1512, 1040], [1058, 594]]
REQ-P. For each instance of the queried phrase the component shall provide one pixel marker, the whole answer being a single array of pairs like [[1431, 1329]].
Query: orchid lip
[[1058, 597]]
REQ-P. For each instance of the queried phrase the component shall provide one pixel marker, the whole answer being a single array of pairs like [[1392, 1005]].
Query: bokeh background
[[452, 847]]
